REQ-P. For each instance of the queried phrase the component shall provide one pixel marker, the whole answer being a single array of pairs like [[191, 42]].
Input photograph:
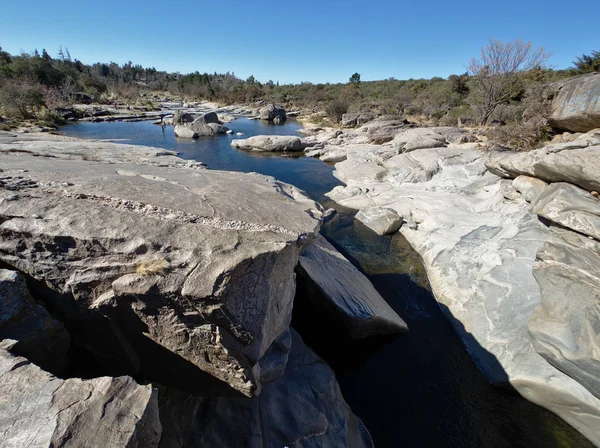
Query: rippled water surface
[[419, 389]]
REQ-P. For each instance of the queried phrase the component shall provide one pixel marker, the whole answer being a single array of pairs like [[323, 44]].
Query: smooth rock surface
[[193, 269], [38, 336], [571, 207], [269, 143], [383, 221], [38, 410], [576, 106], [352, 298], [529, 187], [564, 327], [304, 408], [576, 162], [479, 249], [184, 132]]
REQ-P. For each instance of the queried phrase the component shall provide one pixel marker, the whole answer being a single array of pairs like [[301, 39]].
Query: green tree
[[587, 64], [355, 79]]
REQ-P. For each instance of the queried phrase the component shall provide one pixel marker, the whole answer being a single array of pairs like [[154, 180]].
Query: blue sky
[[317, 41]]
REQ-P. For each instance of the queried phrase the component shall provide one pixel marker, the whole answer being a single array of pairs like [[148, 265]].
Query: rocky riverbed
[[169, 288], [510, 242]]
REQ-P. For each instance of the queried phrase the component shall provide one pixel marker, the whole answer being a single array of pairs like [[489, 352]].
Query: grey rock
[[564, 326], [38, 410], [571, 207], [478, 249], [576, 106], [352, 298], [38, 336], [269, 143], [382, 221], [272, 112], [418, 138], [529, 187], [384, 129], [181, 117], [356, 119], [208, 118], [575, 162], [304, 408], [184, 132], [193, 269]]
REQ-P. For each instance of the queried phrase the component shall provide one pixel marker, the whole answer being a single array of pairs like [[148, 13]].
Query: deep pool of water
[[419, 389]]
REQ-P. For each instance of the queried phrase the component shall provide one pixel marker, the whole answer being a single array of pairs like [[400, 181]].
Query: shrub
[[21, 99], [335, 109]]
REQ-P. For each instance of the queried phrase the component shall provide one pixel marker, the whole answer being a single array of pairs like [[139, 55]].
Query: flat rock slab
[[353, 299], [571, 207], [269, 143], [576, 162], [38, 410], [564, 326], [193, 269], [304, 408]]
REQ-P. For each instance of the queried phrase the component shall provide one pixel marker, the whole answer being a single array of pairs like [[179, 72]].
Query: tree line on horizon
[[33, 85]]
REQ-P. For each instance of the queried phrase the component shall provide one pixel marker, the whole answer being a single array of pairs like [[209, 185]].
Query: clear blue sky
[[293, 41]]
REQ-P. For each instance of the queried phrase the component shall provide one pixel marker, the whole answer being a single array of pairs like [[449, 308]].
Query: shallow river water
[[419, 389]]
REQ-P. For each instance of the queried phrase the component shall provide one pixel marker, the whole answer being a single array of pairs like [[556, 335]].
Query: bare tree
[[497, 71]]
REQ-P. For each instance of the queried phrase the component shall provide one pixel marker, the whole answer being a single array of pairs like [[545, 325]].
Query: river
[[419, 389]]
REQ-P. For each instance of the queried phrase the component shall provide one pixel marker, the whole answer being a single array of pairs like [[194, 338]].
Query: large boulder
[[181, 117], [269, 143], [570, 207], [384, 129], [564, 326], [272, 113], [177, 274], [39, 410], [356, 119], [38, 336], [576, 162], [304, 408], [382, 221], [576, 105], [351, 298], [184, 132]]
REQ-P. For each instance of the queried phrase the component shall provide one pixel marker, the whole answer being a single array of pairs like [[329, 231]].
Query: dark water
[[419, 389], [311, 175]]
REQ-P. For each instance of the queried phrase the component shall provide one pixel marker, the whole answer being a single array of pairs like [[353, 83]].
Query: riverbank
[[485, 249]]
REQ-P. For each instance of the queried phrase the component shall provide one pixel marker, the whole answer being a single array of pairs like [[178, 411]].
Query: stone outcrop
[[167, 271], [273, 113], [576, 105], [356, 119], [36, 334], [437, 137], [206, 125], [269, 143], [40, 410], [564, 326], [305, 407], [478, 239], [576, 162], [352, 299], [570, 207]]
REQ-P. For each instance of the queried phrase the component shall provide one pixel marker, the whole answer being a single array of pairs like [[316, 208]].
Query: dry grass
[[152, 266]]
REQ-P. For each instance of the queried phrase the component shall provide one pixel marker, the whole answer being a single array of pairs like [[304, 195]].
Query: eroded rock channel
[[167, 291]]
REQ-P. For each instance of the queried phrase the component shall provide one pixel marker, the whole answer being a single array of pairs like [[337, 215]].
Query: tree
[[587, 64], [355, 79], [497, 72]]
